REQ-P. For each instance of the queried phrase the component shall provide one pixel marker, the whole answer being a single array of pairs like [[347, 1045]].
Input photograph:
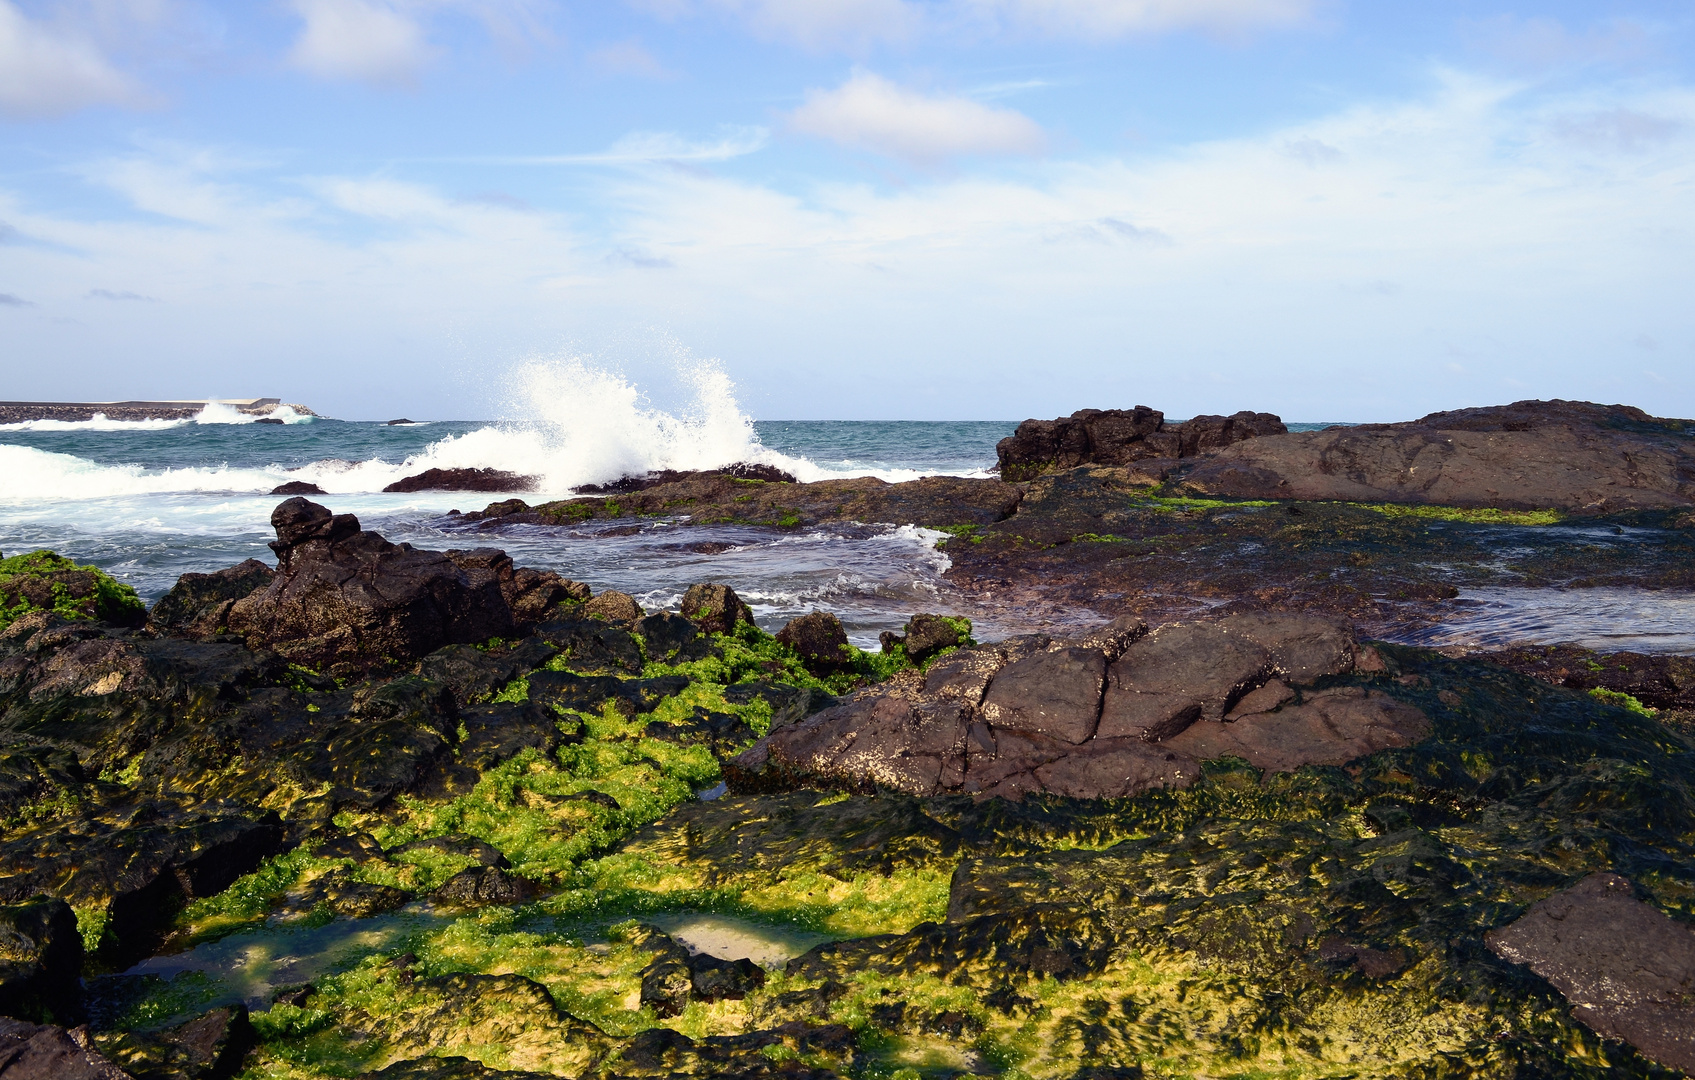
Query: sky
[[857, 209]]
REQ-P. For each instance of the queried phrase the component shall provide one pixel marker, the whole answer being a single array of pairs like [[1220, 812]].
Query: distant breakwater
[[20, 412]]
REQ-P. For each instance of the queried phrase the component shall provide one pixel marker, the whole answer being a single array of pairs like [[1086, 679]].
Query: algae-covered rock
[[819, 640], [198, 605], [212, 1046], [716, 609], [43, 581]]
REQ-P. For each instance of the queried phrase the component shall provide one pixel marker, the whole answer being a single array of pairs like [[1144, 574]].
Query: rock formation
[[1121, 437], [463, 480], [1106, 716]]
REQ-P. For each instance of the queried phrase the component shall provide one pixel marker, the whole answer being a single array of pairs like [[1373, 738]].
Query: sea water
[[151, 500]]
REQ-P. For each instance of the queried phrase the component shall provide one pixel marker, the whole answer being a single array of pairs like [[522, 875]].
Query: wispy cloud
[[49, 70], [1122, 17], [372, 41], [655, 148], [108, 294], [628, 58], [871, 113], [8, 300]]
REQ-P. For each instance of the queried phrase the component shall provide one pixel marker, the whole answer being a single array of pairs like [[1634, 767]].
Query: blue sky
[[858, 208]]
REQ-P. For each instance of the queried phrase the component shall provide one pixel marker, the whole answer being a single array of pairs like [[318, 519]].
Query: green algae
[[46, 581], [1485, 515], [1622, 700]]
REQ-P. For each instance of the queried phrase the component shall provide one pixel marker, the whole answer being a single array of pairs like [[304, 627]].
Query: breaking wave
[[576, 424]]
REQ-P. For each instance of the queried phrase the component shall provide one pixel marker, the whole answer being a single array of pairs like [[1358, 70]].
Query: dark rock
[[338, 892], [471, 673], [927, 635], [716, 609], [349, 600], [1026, 716], [481, 886], [40, 961], [819, 640], [498, 733], [1627, 968], [671, 639], [592, 645], [198, 605], [713, 979], [269, 420], [612, 606], [48, 1052], [44, 580], [1057, 694], [1528, 455], [402, 420], [722, 732], [212, 1046], [1120, 437], [360, 847], [298, 487], [293, 996], [632, 697], [667, 982], [741, 470], [463, 480]]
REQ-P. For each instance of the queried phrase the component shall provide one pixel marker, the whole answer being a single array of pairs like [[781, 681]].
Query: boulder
[[819, 640], [612, 606], [198, 605], [348, 600], [1627, 968], [40, 960], [716, 609], [298, 487], [463, 480], [1106, 714], [44, 581], [481, 886], [713, 979], [926, 635]]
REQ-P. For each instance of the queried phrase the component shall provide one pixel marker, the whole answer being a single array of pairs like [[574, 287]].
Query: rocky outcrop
[[819, 640], [1571, 455], [1108, 715], [463, 480], [1121, 437], [716, 609], [346, 600], [926, 635], [741, 470], [198, 605], [44, 581], [1627, 968]]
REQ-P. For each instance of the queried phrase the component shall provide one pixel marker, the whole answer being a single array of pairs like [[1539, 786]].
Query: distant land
[[19, 412]]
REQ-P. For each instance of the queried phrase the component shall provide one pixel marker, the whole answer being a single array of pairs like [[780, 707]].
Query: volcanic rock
[[1027, 716], [198, 605], [298, 487], [348, 600], [613, 606], [819, 640], [927, 635], [464, 480], [40, 960], [1627, 968], [212, 1046], [716, 609], [1121, 437], [1528, 455], [741, 470], [481, 886]]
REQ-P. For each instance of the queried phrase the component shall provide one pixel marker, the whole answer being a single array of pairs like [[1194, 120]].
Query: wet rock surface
[[463, 480], [1122, 437]]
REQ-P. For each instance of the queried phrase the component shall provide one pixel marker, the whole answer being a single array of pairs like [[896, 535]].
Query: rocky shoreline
[[464, 812], [19, 412]]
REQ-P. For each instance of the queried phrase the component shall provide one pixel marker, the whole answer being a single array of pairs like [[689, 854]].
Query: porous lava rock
[[1105, 715], [1532, 454], [347, 600], [463, 480], [819, 640], [1627, 968], [1121, 437], [716, 609], [613, 606], [198, 605]]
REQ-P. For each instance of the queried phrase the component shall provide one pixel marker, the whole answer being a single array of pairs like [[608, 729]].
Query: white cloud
[[1119, 17], [45, 71], [628, 58], [871, 113], [371, 41], [1453, 226]]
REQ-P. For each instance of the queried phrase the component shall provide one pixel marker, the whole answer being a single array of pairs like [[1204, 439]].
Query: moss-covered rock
[[43, 581]]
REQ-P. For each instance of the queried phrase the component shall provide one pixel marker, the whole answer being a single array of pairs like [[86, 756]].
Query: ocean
[[149, 501]]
